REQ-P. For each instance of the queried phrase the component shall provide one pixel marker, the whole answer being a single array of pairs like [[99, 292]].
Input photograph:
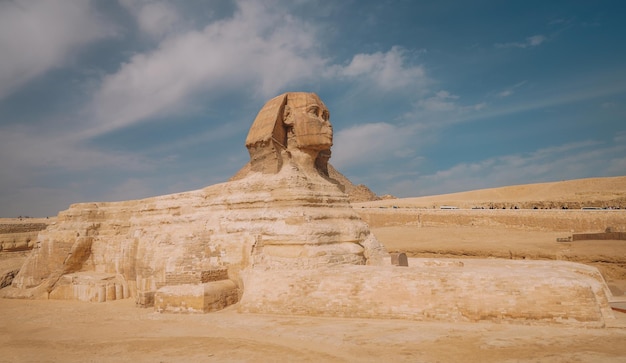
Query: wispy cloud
[[441, 101], [260, 48], [388, 71], [530, 42], [510, 90], [36, 36], [155, 18], [442, 108]]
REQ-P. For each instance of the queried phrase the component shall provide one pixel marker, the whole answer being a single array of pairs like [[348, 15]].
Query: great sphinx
[[281, 237], [280, 210]]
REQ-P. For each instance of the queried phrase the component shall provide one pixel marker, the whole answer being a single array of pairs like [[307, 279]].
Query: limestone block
[[196, 298], [17, 241], [488, 290], [89, 286], [399, 259]]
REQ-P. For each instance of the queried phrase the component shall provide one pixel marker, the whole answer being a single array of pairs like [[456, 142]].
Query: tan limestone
[[292, 216], [529, 292]]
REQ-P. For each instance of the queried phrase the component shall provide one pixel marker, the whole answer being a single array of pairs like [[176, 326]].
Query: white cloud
[[441, 101], [36, 36], [387, 70], [535, 40], [156, 18], [510, 90], [260, 48], [532, 41], [441, 109]]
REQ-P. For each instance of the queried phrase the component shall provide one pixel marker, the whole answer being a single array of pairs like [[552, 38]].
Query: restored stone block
[[197, 298], [399, 259], [89, 286], [528, 292]]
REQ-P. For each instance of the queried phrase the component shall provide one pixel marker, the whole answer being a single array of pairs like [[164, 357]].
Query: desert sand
[[71, 331], [575, 194], [66, 331]]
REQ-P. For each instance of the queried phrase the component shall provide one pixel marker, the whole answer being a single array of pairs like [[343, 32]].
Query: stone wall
[[526, 219], [22, 227], [19, 236]]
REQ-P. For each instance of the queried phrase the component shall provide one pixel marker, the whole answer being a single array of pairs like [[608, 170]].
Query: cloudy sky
[[112, 100]]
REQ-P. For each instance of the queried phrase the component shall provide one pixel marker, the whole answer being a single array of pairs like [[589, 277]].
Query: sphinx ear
[[287, 117]]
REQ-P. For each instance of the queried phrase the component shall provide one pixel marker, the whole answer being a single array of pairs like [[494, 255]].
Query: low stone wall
[[599, 236], [527, 292], [20, 241], [18, 236], [528, 219], [22, 227]]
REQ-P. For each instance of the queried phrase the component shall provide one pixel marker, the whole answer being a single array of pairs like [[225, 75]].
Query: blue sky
[[114, 100]]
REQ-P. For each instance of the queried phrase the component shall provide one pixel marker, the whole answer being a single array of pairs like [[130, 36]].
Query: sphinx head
[[294, 124], [307, 121]]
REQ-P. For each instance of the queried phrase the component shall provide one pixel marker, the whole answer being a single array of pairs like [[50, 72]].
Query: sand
[[68, 331], [601, 192], [55, 331]]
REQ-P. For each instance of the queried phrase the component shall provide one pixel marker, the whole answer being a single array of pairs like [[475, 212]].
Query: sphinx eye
[[325, 115], [313, 110]]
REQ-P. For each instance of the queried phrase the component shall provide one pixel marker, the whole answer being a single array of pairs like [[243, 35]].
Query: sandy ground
[[68, 331], [62, 331]]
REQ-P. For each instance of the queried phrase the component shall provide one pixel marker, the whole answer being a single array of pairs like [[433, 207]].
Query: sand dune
[[600, 192]]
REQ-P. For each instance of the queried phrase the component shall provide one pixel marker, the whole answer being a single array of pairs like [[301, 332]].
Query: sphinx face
[[309, 119]]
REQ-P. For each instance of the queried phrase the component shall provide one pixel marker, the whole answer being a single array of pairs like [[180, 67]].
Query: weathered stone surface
[[91, 287], [196, 298], [529, 292], [7, 275], [10, 264]]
